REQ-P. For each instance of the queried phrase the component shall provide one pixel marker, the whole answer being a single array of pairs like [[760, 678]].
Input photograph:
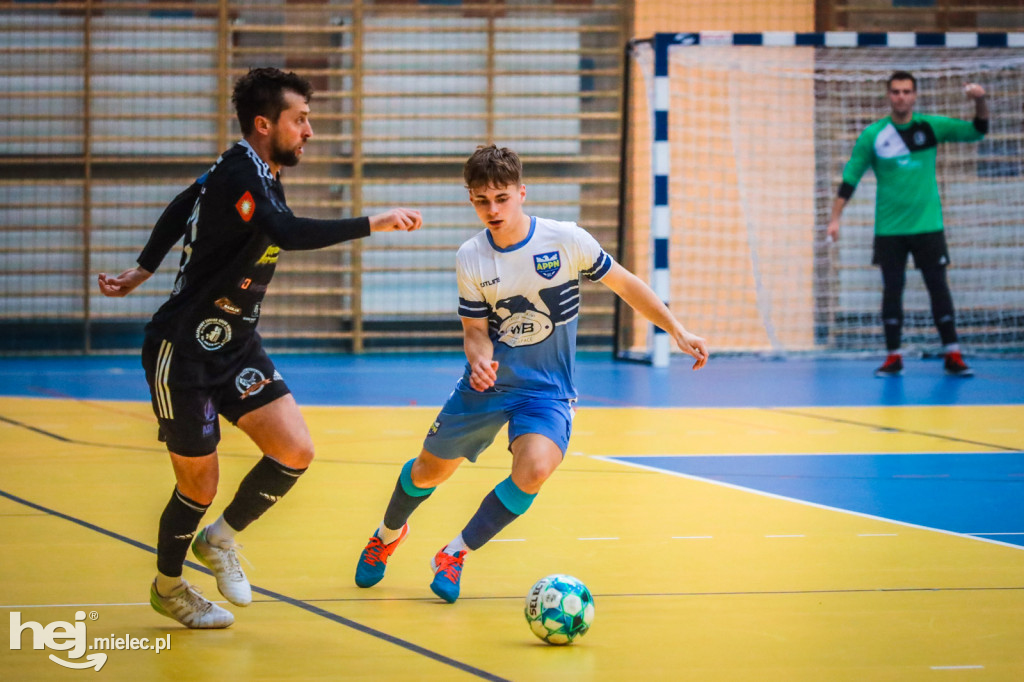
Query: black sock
[[401, 507], [404, 500], [178, 526], [264, 485], [487, 522]]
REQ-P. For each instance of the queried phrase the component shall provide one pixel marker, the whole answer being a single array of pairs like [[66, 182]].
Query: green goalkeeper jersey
[[903, 159]]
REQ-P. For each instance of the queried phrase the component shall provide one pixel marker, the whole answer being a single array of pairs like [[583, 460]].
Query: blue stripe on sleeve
[[600, 268], [474, 309]]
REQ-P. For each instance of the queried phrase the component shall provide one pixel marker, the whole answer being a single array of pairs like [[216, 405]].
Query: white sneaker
[[190, 608], [223, 561]]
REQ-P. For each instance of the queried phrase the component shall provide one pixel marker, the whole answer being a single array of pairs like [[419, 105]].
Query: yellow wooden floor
[[856, 598]]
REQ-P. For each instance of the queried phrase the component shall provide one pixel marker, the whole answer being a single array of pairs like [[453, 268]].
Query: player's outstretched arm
[[832, 233], [483, 370], [123, 284], [396, 220], [642, 299]]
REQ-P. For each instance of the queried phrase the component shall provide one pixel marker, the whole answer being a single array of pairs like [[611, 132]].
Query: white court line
[[733, 486], [957, 667], [785, 536], [597, 538], [877, 535], [692, 537], [993, 533]]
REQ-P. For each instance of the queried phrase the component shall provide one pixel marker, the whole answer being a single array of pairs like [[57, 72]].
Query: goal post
[[737, 143]]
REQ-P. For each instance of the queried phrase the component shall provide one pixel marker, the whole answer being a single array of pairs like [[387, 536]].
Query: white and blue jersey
[[529, 293]]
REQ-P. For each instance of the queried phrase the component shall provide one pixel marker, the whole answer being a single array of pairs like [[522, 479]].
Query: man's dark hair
[[261, 93], [901, 76], [492, 167]]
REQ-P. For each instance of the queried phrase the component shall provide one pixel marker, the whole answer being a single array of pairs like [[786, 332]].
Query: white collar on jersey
[[262, 167]]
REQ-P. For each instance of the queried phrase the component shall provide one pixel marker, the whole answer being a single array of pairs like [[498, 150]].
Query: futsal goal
[[735, 149]]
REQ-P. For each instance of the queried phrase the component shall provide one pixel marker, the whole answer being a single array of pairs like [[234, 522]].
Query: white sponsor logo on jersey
[[525, 328]]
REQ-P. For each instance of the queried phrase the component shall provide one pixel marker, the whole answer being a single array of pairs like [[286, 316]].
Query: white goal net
[[757, 137]]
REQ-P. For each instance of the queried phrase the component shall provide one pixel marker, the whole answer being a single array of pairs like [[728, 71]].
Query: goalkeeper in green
[[901, 150]]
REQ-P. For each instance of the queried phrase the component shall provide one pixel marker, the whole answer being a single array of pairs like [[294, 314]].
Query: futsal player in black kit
[[202, 354]]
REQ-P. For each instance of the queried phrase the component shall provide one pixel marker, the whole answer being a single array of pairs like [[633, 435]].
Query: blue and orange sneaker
[[374, 559], [447, 574]]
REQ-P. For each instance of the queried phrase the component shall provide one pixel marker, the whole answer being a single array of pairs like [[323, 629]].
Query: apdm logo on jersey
[[525, 328], [246, 206], [547, 264], [212, 333], [250, 381]]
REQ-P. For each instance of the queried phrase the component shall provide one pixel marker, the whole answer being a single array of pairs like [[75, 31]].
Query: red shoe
[[955, 365], [892, 367]]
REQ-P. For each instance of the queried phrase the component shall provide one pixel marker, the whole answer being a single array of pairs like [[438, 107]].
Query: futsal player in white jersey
[[519, 300]]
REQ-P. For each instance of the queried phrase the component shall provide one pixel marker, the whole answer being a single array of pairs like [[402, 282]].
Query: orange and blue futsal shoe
[[447, 574], [374, 559]]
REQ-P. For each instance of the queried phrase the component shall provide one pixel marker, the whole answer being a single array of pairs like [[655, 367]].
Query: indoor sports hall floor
[[757, 520]]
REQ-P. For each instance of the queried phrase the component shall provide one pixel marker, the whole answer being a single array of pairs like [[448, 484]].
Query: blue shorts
[[470, 420]]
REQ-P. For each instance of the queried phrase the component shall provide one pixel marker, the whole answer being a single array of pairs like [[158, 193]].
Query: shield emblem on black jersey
[[547, 264]]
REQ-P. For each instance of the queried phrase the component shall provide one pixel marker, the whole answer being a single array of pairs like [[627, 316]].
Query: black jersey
[[235, 222]]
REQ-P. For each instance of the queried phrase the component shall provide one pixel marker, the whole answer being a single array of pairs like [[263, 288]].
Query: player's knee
[[299, 455], [532, 475], [201, 491], [196, 477], [430, 471]]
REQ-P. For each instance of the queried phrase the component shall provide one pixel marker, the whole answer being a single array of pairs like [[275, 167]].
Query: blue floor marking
[[428, 378], [969, 493]]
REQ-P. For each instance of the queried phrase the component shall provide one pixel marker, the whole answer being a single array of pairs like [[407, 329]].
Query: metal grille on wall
[[110, 108]]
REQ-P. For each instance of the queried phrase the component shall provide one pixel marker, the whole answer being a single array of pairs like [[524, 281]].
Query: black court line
[[893, 429], [321, 459], [315, 610], [75, 441]]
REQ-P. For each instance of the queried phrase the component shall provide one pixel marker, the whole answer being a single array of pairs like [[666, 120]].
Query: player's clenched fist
[[483, 374], [974, 91], [395, 220]]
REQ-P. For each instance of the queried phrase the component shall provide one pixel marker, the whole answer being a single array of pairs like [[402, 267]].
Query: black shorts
[[929, 250], [188, 393]]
